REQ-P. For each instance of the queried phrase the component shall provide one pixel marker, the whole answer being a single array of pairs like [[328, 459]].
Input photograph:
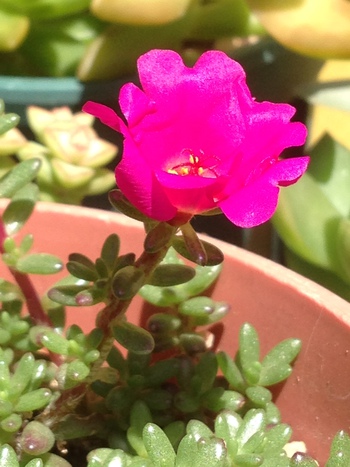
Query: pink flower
[[196, 140]]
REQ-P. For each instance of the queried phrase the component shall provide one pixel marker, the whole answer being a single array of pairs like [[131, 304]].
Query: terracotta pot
[[315, 400]]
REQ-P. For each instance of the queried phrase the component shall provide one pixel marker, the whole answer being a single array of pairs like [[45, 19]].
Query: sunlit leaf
[[20, 208], [20, 175], [39, 263]]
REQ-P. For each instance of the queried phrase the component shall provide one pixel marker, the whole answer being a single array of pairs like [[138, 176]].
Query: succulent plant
[[72, 156], [198, 406]]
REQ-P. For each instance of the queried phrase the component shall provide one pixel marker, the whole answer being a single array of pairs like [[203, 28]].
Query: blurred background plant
[[72, 156], [312, 219], [101, 39]]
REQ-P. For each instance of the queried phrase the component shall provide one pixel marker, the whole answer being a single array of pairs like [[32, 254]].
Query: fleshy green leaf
[[82, 267], [275, 366], [66, 294], [20, 208], [35, 463], [23, 373], [259, 395], [231, 371], [110, 250], [168, 275], [192, 343], [127, 282], [158, 237], [249, 353], [158, 446], [276, 438], [133, 338], [162, 371], [140, 415], [304, 460], [9, 291], [211, 452], [227, 424], [8, 121], [254, 421], [166, 296], [211, 255], [33, 400], [55, 342], [39, 263], [218, 399], [77, 371], [8, 456], [186, 451], [206, 369], [175, 431], [20, 175], [160, 323], [340, 451]]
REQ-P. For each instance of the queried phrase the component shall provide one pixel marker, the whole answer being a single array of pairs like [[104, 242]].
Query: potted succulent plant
[[196, 142]]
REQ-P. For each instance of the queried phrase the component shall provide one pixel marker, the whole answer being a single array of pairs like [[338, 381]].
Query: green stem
[[113, 311], [116, 309]]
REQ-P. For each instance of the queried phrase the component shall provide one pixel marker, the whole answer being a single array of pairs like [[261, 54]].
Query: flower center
[[202, 166]]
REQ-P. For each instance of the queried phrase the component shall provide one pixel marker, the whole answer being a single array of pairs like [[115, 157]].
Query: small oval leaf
[[33, 400], [167, 275], [127, 282], [66, 294], [20, 208], [82, 271], [20, 175], [158, 446], [39, 263], [133, 338], [214, 255]]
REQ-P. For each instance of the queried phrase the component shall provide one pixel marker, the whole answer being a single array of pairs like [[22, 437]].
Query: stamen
[[194, 165]]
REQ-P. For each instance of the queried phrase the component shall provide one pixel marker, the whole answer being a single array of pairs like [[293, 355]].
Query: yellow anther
[[184, 170], [193, 159]]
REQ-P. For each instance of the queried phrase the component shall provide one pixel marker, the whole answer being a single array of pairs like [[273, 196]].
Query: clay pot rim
[[312, 291]]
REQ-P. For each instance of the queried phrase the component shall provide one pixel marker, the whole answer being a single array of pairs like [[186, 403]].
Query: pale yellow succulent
[[138, 12], [319, 28], [10, 142], [73, 156]]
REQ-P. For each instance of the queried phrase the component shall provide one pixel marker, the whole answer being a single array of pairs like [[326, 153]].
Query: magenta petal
[[160, 71], [134, 103], [191, 194], [138, 183], [288, 171], [105, 114], [255, 203], [246, 209]]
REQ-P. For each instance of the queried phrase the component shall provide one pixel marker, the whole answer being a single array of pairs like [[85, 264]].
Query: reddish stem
[[34, 306]]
